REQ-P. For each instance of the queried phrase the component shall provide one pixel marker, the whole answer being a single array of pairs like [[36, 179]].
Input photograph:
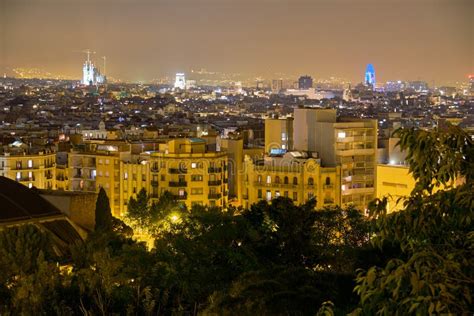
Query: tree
[[138, 211], [103, 214], [434, 271], [281, 232], [339, 235], [281, 290], [29, 275]]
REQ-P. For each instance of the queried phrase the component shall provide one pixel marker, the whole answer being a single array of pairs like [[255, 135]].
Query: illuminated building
[[278, 135], [347, 94], [295, 175], [234, 147], [369, 79], [99, 165], [394, 182], [305, 82], [350, 144], [180, 81], [191, 173], [32, 169], [183, 167], [91, 74], [277, 85]]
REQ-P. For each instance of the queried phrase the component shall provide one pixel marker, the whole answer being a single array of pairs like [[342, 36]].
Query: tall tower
[[88, 69], [180, 81], [305, 82], [370, 76]]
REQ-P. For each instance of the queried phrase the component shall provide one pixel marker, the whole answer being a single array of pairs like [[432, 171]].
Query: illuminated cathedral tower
[[370, 76], [90, 74]]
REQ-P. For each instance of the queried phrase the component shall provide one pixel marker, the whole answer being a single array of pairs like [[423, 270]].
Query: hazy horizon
[[429, 40]]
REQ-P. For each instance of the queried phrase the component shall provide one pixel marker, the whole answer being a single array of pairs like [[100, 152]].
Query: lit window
[[18, 175], [269, 195], [125, 175], [30, 163], [269, 179], [283, 136], [193, 165], [30, 185], [341, 135]]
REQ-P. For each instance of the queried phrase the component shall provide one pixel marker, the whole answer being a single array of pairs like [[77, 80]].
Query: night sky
[[146, 39]]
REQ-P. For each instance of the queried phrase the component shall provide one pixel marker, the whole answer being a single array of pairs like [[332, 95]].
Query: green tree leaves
[[434, 270], [103, 214]]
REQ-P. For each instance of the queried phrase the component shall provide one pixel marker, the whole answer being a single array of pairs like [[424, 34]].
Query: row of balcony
[[289, 185], [34, 167], [176, 184], [185, 171], [210, 196]]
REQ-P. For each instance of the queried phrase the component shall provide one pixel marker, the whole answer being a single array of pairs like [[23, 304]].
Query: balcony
[[214, 170], [180, 197], [213, 183], [214, 196], [154, 183], [275, 185], [175, 184], [177, 171], [350, 139], [358, 191], [355, 152], [328, 186], [25, 179]]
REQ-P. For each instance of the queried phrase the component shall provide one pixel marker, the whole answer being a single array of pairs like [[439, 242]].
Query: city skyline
[[432, 41]]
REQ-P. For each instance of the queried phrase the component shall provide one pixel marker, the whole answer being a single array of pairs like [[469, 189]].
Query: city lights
[[243, 157]]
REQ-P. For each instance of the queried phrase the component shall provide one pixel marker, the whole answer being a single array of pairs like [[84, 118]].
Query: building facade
[[278, 135], [294, 176], [350, 144], [31, 169], [305, 82]]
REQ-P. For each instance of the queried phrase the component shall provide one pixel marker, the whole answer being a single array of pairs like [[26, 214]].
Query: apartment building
[[29, 166], [348, 143], [190, 172], [278, 135], [295, 175]]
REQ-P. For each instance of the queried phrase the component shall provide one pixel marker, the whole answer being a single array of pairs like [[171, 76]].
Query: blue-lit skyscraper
[[370, 76]]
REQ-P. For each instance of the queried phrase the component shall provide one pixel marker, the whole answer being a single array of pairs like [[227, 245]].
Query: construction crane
[[104, 58], [86, 51]]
